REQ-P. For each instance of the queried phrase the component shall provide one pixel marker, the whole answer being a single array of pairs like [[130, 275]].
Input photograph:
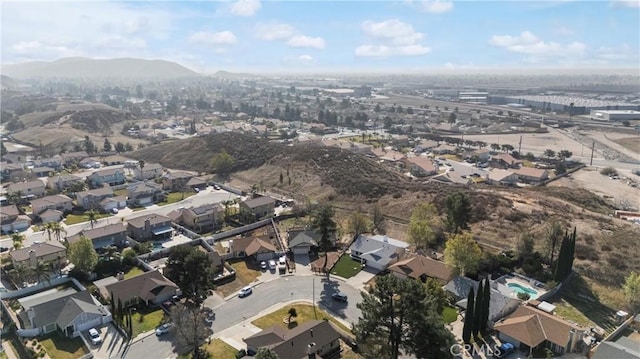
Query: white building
[[615, 115]]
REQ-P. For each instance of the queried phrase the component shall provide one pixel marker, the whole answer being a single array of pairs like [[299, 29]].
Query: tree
[[47, 228], [358, 223], [191, 327], [292, 314], [452, 117], [554, 235], [54, 228], [89, 146], [467, 328], [524, 245], [17, 239], [82, 255], [266, 353], [435, 291], [41, 271], [486, 304], [609, 171], [222, 163], [399, 315], [462, 252], [477, 309], [458, 209], [632, 290], [323, 223], [564, 155], [377, 219], [191, 269], [421, 226], [564, 264], [549, 153], [495, 146], [92, 215], [107, 145]]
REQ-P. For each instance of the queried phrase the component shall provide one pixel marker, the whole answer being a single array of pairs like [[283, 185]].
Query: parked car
[[163, 329], [95, 336], [263, 265], [340, 297], [114, 210], [505, 349], [272, 264], [245, 292]]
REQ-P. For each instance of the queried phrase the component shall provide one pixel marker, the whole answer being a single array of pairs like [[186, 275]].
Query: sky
[[299, 36]]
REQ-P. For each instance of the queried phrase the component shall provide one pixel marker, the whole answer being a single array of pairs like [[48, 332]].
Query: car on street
[[163, 329], [95, 336], [340, 297], [245, 292]]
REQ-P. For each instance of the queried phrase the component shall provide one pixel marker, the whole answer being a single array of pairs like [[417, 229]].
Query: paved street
[[266, 295]]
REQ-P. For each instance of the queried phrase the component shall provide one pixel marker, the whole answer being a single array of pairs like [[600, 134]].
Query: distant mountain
[[79, 67], [7, 82], [233, 75]]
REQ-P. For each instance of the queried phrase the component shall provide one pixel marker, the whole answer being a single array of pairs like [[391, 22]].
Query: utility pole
[[593, 147], [520, 146]]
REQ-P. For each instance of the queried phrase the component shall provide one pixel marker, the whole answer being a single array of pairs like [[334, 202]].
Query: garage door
[[81, 327], [300, 250]]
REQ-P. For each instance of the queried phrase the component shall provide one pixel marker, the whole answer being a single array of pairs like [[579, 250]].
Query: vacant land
[[631, 143]]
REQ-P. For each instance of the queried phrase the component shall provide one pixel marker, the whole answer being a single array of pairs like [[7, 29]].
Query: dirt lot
[[618, 191]]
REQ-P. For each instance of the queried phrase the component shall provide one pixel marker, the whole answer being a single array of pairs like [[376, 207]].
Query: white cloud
[[391, 38], [245, 7], [529, 44], [387, 51], [213, 38], [306, 41], [434, 6], [626, 3], [305, 58], [274, 31]]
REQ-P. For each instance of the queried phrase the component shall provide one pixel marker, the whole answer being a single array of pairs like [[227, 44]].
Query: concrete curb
[[143, 336]]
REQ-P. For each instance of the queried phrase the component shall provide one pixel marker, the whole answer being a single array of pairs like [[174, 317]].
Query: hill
[[79, 67], [7, 82]]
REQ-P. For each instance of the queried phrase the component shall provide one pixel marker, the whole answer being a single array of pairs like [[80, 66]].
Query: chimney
[[33, 260], [311, 331], [147, 225], [310, 350]]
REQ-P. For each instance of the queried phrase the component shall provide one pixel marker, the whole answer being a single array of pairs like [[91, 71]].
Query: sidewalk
[[8, 350]]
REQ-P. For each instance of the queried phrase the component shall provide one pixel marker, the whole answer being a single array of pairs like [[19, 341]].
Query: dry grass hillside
[[605, 248]]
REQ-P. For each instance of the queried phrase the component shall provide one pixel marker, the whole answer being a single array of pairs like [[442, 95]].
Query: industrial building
[[565, 104], [615, 115]]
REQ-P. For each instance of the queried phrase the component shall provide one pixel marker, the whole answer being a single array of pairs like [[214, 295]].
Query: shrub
[[241, 354], [524, 296], [609, 171]]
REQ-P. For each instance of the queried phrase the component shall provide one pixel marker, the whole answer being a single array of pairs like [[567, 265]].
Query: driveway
[[113, 343], [362, 278]]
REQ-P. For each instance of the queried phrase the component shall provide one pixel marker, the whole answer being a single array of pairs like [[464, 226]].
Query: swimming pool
[[521, 289]]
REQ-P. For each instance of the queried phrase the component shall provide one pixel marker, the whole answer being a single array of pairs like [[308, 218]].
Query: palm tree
[[17, 238], [19, 273], [48, 228], [57, 229], [93, 217], [41, 271]]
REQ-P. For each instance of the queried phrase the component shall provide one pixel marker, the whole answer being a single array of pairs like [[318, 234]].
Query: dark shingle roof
[[259, 201], [145, 286], [138, 222]]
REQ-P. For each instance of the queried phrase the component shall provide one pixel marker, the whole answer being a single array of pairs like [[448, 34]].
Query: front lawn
[[174, 197], [449, 315], [244, 277], [60, 347], [346, 267], [79, 218], [219, 349], [305, 313], [146, 320], [134, 271]]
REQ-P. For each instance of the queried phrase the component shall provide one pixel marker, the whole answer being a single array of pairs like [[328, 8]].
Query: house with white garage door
[[378, 251], [303, 240]]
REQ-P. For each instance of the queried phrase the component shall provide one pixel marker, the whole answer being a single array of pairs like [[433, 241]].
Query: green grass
[[60, 347], [174, 197], [151, 320], [305, 313], [244, 276], [75, 218], [220, 350], [449, 315], [134, 271], [346, 267], [120, 192]]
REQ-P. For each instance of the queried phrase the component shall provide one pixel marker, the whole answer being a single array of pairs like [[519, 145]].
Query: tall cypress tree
[[114, 313], [468, 318], [572, 250], [477, 310], [486, 303]]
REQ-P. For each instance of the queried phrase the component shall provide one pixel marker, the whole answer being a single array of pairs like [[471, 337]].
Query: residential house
[[196, 183], [258, 207], [203, 218], [113, 160], [451, 178], [459, 287], [150, 288], [110, 203], [504, 160], [149, 227], [89, 162], [258, 248], [43, 171], [144, 193], [51, 215], [13, 220], [421, 267], [445, 149], [67, 311], [531, 175], [12, 171], [502, 177], [73, 157], [110, 235], [421, 166], [54, 162], [176, 181], [529, 328], [387, 155], [483, 154], [609, 350], [149, 171], [425, 145], [91, 199], [46, 252], [503, 300], [58, 202], [303, 240], [356, 147], [378, 251], [313, 339], [111, 177], [62, 182], [27, 190]]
